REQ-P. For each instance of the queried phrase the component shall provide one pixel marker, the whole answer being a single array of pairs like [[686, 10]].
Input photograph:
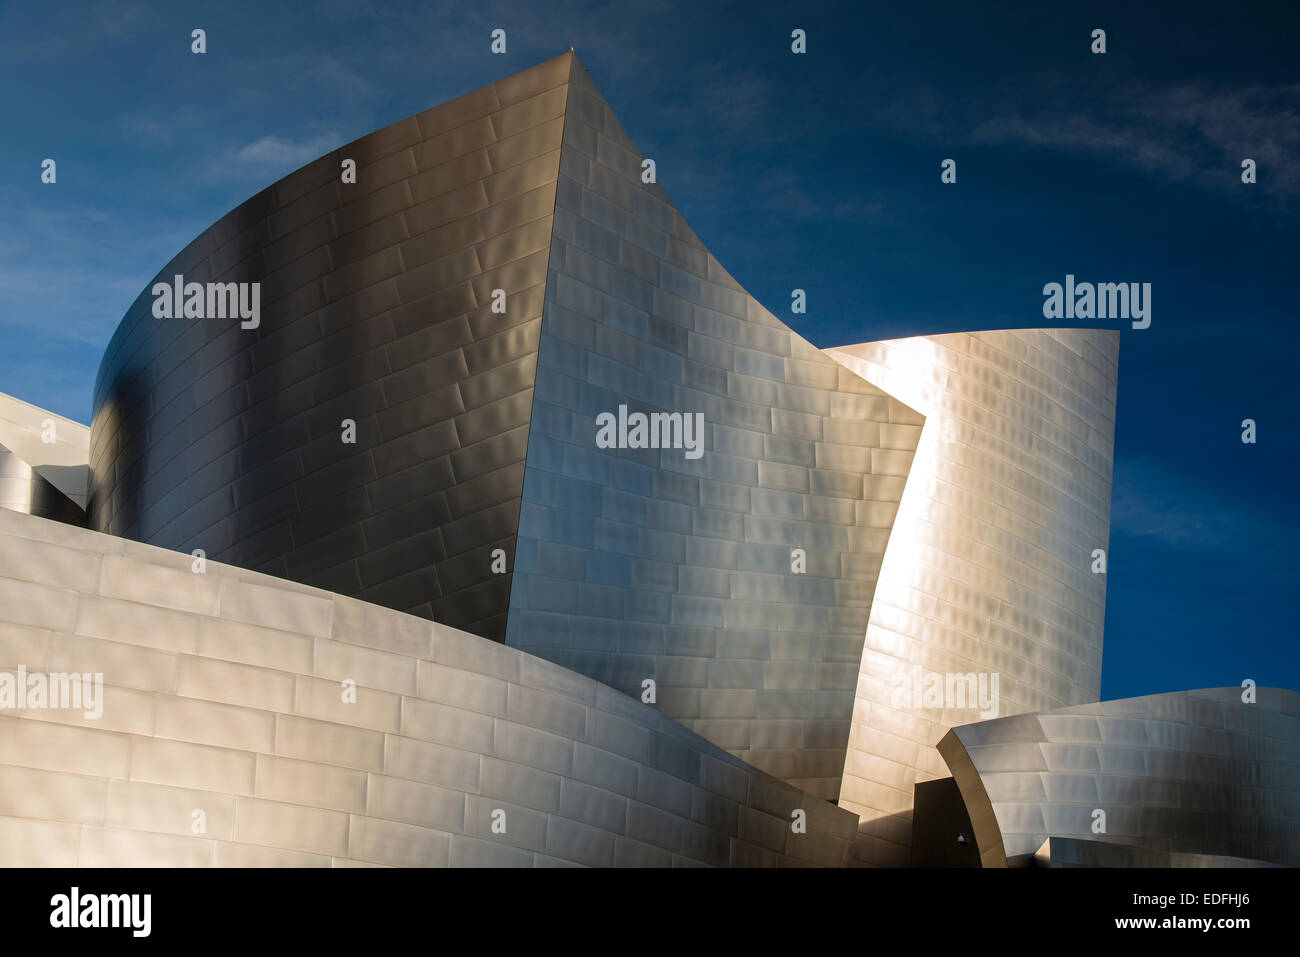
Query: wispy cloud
[[252, 165], [1131, 144], [272, 156], [1152, 501], [68, 270], [1186, 132]]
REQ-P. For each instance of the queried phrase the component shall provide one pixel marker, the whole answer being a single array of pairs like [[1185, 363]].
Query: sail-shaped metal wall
[[739, 582], [994, 577], [377, 309]]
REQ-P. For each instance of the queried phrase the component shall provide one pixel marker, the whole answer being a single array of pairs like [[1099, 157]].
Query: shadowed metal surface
[[989, 568], [377, 308], [644, 564], [1190, 772], [22, 489], [1062, 852], [54, 449]]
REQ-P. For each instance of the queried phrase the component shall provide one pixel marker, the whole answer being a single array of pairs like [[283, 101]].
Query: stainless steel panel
[[633, 319], [407, 347], [988, 567], [1223, 779]]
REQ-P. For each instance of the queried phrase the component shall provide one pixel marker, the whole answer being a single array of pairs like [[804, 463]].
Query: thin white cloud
[[273, 154], [69, 270], [1187, 132], [1150, 500]]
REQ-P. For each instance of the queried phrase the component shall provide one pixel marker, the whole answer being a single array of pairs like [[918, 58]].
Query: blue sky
[[818, 171]]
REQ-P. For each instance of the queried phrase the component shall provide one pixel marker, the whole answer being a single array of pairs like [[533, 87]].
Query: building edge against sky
[[946, 495], [475, 428], [991, 567]]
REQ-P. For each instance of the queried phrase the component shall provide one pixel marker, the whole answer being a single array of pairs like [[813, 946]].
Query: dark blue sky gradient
[[818, 171]]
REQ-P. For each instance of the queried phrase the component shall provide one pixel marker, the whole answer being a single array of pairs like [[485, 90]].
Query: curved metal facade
[[989, 570], [637, 565], [377, 306], [221, 693], [1187, 773], [631, 565], [439, 344]]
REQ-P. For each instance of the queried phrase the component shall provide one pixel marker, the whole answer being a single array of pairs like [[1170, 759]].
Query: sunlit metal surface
[[1073, 852], [632, 565], [220, 692], [947, 497], [989, 569], [639, 566], [1185, 773]]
